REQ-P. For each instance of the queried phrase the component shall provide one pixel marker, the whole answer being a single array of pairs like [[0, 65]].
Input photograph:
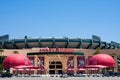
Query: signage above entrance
[[56, 50]]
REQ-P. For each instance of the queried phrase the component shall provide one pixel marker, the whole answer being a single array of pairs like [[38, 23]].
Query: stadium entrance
[[55, 67], [57, 60]]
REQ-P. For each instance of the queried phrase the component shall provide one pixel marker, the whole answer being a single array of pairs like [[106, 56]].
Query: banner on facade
[[80, 61], [70, 63], [31, 60], [40, 62], [88, 60]]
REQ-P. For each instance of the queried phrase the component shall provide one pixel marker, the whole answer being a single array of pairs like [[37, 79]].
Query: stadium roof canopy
[[53, 42]]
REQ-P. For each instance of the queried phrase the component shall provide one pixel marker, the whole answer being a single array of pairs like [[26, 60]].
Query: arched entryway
[[55, 67]]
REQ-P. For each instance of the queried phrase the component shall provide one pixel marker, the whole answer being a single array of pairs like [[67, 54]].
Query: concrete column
[[46, 64], [86, 63], [35, 62], [64, 63], [11, 70], [75, 64], [116, 65]]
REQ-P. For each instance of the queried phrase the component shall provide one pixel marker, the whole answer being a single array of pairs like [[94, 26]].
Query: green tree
[[15, 52], [115, 58], [113, 55], [1, 64], [1, 67], [97, 51], [1, 51]]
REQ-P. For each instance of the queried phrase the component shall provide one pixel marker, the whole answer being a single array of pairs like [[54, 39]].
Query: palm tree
[[15, 52]]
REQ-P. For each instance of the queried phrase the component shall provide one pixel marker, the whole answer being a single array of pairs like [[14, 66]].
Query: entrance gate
[[55, 67]]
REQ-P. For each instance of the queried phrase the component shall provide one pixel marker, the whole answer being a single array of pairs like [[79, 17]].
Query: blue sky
[[61, 18]]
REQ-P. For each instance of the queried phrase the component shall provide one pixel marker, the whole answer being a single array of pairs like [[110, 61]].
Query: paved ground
[[59, 78]]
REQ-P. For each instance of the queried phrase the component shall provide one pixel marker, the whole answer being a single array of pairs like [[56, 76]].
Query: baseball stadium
[[57, 55]]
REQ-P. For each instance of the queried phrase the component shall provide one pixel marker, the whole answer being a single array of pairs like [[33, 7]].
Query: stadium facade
[[58, 55]]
